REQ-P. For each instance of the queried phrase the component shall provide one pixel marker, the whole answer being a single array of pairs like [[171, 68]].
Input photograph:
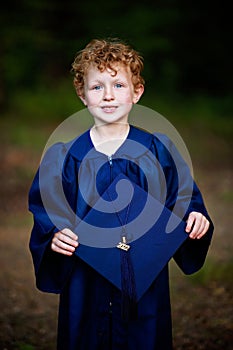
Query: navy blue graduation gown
[[90, 306]]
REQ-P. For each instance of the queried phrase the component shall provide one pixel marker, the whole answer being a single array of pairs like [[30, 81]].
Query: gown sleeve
[[50, 214], [183, 197], [190, 257]]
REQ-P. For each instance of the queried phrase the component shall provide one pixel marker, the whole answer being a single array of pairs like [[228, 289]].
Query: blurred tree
[[186, 45], [203, 49]]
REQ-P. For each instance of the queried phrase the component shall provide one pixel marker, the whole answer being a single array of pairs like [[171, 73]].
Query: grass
[[23, 346], [46, 103], [214, 271]]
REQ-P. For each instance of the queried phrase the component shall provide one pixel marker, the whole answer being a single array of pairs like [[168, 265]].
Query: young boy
[[107, 78]]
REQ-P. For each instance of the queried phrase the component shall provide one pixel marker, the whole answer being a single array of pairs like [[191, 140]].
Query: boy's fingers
[[69, 233], [190, 222], [205, 229], [197, 225], [63, 245], [63, 238], [56, 248], [64, 242]]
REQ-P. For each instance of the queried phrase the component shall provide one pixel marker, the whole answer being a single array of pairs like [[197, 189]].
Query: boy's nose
[[108, 94]]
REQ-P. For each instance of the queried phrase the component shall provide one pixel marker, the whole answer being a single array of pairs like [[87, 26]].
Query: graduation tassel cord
[[128, 283]]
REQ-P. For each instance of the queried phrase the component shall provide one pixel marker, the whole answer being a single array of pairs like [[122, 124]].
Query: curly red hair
[[105, 54]]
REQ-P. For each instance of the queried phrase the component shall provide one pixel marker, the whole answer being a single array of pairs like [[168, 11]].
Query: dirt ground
[[202, 306]]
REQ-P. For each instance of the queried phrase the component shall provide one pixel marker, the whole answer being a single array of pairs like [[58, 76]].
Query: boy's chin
[[110, 114]]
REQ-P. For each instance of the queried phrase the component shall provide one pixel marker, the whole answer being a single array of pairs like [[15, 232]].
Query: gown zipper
[[110, 164], [110, 160]]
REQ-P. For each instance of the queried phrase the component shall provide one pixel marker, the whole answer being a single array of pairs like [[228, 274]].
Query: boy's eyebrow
[[94, 82], [115, 79]]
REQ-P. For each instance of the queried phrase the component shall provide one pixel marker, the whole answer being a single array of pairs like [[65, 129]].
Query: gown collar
[[82, 146]]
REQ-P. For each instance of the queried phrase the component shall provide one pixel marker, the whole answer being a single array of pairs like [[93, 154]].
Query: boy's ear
[[81, 96], [138, 93]]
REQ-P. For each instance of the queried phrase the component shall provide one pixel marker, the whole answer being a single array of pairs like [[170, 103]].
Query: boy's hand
[[197, 225], [64, 242]]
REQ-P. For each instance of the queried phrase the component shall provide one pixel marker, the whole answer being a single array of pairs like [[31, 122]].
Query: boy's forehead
[[114, 69]]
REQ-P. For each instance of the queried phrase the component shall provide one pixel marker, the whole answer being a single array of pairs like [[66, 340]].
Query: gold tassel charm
[[123, 245]]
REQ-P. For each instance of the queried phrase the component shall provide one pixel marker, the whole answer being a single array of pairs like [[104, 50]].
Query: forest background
[[187, 50]]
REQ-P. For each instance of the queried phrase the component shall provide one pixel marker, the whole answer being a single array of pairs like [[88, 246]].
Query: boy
[[107, 78]]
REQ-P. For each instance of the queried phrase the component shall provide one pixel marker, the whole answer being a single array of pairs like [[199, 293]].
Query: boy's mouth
[[109, 109]]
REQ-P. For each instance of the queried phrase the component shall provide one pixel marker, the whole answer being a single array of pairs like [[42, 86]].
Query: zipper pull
[[110, 160]]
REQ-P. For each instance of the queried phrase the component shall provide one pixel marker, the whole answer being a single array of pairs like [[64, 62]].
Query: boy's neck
[[108, 138], [110, 131]]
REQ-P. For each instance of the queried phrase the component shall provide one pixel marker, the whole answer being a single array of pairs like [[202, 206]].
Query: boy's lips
[[109, 109]]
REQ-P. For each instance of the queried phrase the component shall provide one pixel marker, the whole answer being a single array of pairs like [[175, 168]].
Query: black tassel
[[128, 285]]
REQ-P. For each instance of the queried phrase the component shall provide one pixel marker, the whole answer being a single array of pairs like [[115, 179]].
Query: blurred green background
[[187, 50]]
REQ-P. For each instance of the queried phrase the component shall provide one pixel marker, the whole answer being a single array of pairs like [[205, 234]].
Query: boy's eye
[[97, 87], [118, 85]]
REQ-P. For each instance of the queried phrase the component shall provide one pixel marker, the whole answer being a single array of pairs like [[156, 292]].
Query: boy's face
[[110, 97]]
